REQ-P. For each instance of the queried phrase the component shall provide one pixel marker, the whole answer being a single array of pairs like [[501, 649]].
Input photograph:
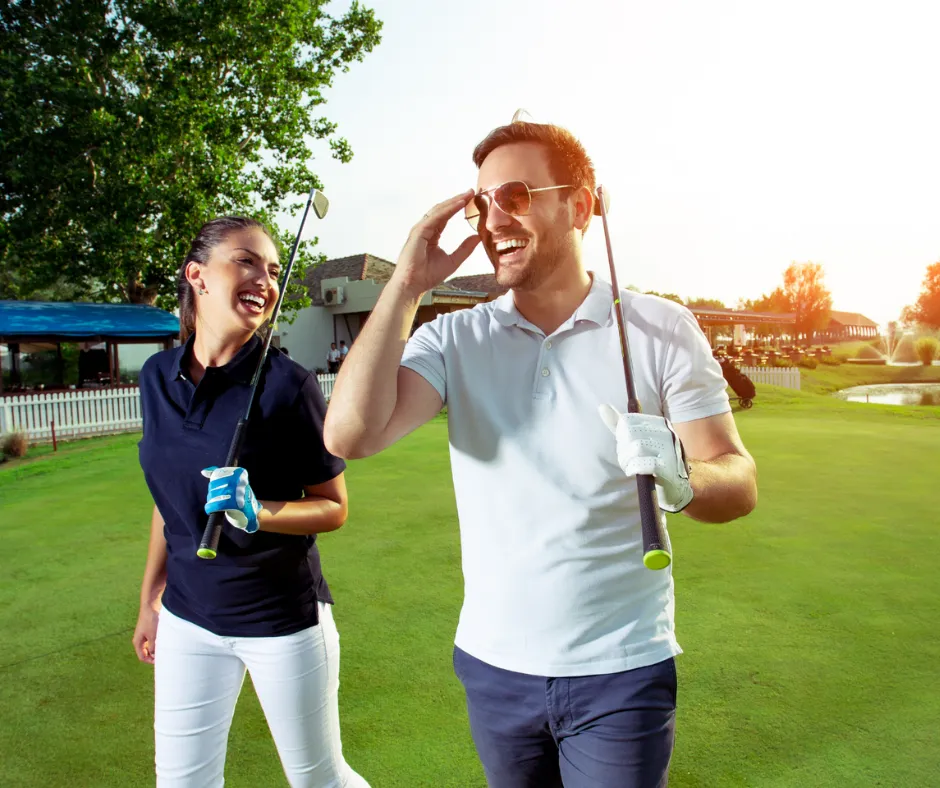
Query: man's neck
[[555, 300]]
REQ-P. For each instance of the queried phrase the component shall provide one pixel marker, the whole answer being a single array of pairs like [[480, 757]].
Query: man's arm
[[375, 402], [723, 475]]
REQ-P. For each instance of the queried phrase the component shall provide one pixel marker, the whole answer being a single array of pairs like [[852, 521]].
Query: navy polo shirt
[[262, 584]]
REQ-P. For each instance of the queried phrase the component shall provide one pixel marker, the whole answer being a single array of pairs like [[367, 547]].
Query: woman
[[263, 603]]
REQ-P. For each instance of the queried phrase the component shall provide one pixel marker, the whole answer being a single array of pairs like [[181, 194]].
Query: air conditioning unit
[[333, 296]]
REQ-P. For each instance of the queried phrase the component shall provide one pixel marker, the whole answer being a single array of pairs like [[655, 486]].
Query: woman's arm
[[151, 589], [323, 508]]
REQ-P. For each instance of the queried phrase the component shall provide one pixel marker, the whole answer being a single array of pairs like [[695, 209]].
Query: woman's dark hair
[[210, 235]]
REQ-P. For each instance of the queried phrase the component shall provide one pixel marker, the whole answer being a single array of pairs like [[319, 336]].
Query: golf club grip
[[209, 546], [654, 539]]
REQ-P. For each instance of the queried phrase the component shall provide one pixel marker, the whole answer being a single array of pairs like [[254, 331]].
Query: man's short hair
[[567, 159]]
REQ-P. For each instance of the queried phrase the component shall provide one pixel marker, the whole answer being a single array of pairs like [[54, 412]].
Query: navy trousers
[[605, 731]]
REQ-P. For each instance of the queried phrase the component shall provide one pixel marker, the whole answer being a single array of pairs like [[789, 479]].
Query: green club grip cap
[[208, 552], [657, 559]]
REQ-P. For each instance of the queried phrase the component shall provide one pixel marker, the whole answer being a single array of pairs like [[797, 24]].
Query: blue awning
[[53, 321]]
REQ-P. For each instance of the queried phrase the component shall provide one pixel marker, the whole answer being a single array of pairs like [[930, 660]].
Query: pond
[[894, 394]]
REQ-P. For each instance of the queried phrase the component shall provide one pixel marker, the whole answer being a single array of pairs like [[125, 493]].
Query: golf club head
[[522, 116], [320, 204], [602, 193]]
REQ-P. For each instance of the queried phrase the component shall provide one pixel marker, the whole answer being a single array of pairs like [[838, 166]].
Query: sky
[[733, 137]]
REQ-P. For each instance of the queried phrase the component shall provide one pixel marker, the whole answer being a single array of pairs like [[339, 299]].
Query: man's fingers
[[441, 213], [465, 249]]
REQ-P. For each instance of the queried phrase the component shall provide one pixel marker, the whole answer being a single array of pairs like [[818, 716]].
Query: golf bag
[[740, 383]]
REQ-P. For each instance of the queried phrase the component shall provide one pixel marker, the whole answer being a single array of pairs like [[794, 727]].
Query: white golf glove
[[648, 445]]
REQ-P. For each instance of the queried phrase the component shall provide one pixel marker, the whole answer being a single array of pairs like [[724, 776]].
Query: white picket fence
[[326, 385], [788, 377], [78, 414], [73, 414], [83, 413]]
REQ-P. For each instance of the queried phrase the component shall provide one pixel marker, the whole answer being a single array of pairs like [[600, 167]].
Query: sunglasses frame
[[490, 195]]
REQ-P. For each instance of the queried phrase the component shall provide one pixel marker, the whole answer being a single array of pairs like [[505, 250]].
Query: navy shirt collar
[[240, 368]]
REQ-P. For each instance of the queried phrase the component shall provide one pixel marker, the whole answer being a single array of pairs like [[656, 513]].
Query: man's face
[[546, 232]]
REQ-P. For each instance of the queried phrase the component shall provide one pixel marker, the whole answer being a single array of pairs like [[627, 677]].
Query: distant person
[[333, 359], [263, 604], [343, 351], [566, 642]]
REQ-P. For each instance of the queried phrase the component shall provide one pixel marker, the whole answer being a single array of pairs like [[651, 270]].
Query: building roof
[[479, 283], [357, 266], [57, 321], [740, 316], [851, 319]]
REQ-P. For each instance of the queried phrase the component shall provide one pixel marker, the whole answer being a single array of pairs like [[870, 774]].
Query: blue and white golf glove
[[648, 446], [230, 492]]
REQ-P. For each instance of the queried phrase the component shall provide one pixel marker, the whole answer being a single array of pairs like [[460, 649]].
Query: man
[[332, 359], [343, 351], [565, 643]]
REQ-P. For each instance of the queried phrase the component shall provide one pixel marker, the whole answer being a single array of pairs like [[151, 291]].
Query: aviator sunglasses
[[513, 198]]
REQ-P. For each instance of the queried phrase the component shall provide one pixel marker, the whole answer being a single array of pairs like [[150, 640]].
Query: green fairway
[[809, 628]]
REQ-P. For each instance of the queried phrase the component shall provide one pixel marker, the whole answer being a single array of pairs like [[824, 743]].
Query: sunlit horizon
[[734, 138]]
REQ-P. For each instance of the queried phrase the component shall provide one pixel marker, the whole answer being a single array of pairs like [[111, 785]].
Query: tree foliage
[[805, 291], [705, 303], [667, 296], [926, 310], [776, 302], [126, 124]]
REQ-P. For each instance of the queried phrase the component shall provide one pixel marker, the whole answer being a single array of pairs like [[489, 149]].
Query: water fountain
[[897, 347]]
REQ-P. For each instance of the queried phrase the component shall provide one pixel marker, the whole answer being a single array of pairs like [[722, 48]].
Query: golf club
[[209, 546], [656, 549]]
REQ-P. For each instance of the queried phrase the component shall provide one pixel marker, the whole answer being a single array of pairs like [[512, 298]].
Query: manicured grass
[[808, 628]]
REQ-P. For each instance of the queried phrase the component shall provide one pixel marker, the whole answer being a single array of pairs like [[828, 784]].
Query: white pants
[[198, 677]]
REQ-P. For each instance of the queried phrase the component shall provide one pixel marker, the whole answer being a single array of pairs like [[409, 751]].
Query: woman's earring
[[201, 291]]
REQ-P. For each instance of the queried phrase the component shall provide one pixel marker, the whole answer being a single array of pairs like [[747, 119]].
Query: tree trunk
[[139, 293]]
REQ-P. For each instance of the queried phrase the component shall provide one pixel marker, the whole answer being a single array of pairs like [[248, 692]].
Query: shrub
[[927, 349], [807, 362], [867, 351], [831, 361], [15, 444]]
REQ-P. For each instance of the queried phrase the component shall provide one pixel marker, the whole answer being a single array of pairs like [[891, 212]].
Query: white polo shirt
[[554, 582]]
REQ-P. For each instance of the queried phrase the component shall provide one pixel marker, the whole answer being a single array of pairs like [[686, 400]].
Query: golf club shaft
[[655, 541], [209, 546]]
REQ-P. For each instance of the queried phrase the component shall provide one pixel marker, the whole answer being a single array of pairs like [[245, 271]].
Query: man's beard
[[537, 269]]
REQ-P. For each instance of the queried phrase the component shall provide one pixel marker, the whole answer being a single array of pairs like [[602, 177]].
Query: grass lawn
[[809, 628]]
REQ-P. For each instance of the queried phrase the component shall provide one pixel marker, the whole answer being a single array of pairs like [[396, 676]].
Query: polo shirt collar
[[240, 368], [596, 307]]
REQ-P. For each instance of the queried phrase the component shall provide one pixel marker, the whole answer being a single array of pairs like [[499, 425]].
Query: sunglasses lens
[[473, 210], [513, 198]]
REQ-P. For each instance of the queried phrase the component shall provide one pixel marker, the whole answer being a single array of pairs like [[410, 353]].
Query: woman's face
[[240, 283]]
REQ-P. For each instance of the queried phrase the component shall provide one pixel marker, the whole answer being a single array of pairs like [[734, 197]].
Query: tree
[[926, 310], [125, 124], [705, 303], [776, 302], [667, 296], [808, 297]]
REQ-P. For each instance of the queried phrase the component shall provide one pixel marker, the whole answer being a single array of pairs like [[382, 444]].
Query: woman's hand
[[145, 634]]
